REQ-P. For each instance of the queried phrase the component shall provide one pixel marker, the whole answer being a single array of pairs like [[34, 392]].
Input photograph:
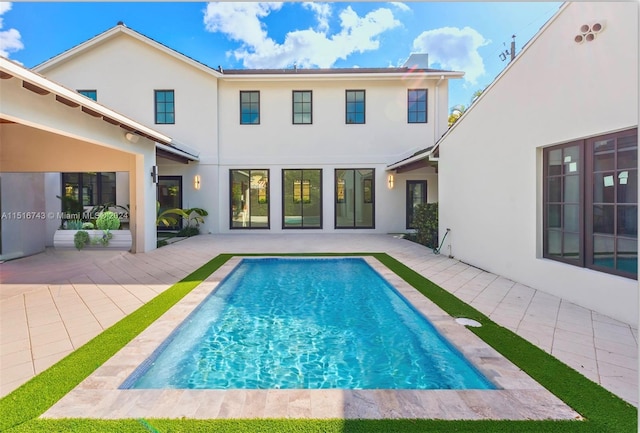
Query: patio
[[52, 303]]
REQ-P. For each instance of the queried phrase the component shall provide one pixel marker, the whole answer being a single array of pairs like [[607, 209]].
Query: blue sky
[[461, 36]]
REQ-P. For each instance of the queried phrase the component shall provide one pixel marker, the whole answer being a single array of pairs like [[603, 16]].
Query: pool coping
[[519, 397]]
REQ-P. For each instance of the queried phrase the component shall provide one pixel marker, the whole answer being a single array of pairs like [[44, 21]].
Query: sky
[[471, 37]]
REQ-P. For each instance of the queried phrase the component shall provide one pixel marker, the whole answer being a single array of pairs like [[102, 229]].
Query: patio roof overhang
[[166, 147], [418, 160]]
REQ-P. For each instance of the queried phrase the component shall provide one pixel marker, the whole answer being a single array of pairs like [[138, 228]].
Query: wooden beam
[[110, 120], [34, 88], [5, 75], [91, 112], [67, 102]]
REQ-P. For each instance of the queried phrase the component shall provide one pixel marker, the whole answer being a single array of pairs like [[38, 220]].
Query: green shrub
[[108, 221], [80, 239], [88, 226], [74, 225], [426, 223], [188, 232]]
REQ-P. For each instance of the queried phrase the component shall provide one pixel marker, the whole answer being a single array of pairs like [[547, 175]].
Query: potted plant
[[81, 234]]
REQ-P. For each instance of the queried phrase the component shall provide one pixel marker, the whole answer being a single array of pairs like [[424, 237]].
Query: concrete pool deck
[[52, 303]]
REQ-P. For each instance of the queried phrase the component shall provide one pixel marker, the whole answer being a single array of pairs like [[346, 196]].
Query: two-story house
[[263, 150]]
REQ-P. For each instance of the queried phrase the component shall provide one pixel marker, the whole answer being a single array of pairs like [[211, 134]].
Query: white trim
[[504, 71], [115, 31], [24, 74]]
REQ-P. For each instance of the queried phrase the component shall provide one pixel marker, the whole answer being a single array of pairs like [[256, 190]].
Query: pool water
[[306, 324]]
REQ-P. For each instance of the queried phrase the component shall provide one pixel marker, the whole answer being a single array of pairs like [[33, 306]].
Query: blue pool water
[[306, 324]]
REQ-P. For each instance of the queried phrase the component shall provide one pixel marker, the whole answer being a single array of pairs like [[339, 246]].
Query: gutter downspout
[[436, 121]]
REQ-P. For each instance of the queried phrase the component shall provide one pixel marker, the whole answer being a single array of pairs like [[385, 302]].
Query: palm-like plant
[[169, 217]]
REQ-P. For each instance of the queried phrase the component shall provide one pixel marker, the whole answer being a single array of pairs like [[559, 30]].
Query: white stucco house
[[538, 179], [264, 151], [536, 182]]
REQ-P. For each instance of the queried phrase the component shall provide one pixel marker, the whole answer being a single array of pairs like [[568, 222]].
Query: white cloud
[[305, 48], [9, 39], [323, 13], [454, 48], [402, 6]]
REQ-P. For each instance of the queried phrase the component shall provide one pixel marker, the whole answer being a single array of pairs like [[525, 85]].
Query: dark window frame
[[371, 200], [250, 104], [268, 199], [413, 102], [180, 221], [587, 203], [302, 227], [89, 93], [81, 187], [409, 200], [303, 111], [164, 112], [354, 107]]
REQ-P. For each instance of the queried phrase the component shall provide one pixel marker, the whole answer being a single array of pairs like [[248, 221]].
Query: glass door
[[170, 197], [416, 195]]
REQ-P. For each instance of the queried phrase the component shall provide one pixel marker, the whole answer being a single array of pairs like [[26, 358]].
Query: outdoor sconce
[[390, 181], [131, 137], [196, 181], [154, 174]]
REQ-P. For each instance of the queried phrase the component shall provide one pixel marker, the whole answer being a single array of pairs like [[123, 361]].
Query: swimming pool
[[305, 324]]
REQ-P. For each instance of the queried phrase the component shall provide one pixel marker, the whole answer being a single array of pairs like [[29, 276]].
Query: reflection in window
[[249, 107], [417, 106], [89, 189], [597, 229], [302, 108], [165, 110], [355, 198], [249, 194], [91, 94], [302, 198], [354, 106]]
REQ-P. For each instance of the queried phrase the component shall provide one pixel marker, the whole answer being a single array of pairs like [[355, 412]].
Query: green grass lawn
[[603, 411]]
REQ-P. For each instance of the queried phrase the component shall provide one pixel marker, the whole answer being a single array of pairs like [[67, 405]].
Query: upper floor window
[[249, 107], [417, 106], [355, 106], [302, 107], [165, 107], [93, 94], [591, 203]]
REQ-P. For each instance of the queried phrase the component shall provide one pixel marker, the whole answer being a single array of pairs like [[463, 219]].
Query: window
[[89, 189], [302, 199], [302, 107], [416, 195], [165, 107], [417, 106], [249, 107], [249, 196], [93, 94], [354, 106], [355, 198], [591, 203]]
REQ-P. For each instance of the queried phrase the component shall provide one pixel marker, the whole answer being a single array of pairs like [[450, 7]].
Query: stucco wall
[[23, 214], [491, 162], [51, 137], [125, 72]]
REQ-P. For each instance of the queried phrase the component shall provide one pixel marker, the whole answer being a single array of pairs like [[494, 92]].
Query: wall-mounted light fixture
[[390, 181], [131, 137], [154, 174], [196, 181]]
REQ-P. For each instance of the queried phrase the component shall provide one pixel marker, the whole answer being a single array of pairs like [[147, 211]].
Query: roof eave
[[111, 33], [34, 79]]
